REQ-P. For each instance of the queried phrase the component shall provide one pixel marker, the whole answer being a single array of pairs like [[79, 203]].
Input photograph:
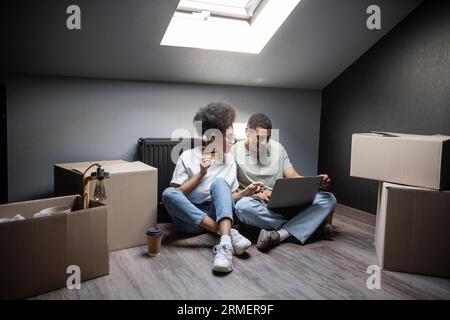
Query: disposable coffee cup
[[154, 236]]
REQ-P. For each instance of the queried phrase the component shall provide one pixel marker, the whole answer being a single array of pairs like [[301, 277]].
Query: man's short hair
[[259, 120], [216, 115]]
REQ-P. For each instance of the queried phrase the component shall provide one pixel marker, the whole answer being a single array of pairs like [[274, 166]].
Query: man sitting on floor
[[261, 159]]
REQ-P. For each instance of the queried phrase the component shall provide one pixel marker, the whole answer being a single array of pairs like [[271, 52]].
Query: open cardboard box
[[36, 252]]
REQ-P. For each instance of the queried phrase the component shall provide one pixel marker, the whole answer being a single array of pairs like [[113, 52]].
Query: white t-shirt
[[188, 165]]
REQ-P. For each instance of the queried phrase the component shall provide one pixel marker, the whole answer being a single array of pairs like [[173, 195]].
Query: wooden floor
[[321, 270]]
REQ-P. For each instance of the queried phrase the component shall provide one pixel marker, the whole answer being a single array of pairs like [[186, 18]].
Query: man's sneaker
[[239, 242], [267, 240], [327, 231], [223, 258]]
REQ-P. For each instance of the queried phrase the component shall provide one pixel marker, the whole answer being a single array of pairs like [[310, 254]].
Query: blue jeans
[[186, 216], [299, 222]]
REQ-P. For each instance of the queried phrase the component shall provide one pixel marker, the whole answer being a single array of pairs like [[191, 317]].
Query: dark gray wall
[[3, 147], [402, 84], [53, 120], [121, 40]]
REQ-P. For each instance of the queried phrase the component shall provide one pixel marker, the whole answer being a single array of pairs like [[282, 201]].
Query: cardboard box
[[412, 230], [36, 252], [131, 195], [422, 161]]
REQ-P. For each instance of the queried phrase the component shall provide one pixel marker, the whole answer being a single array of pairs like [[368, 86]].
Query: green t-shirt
[[267, 169]]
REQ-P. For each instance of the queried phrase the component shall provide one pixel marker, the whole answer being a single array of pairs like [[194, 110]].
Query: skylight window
[[229, 25], [240, 9]]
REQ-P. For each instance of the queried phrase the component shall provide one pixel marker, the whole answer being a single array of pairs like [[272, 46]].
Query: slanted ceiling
[[121, 40]]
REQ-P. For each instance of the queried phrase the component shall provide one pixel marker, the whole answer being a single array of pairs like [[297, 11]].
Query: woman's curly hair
[[216, 115]]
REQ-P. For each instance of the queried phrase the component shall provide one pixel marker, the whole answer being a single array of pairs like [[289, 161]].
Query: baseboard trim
[[356, 214]]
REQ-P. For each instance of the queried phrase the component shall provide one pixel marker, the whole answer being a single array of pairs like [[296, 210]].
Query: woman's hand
[[252, 188], [205, 163], [326, 181], [192, 183]]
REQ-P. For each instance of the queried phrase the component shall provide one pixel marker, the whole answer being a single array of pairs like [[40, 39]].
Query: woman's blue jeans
[[186, 215]]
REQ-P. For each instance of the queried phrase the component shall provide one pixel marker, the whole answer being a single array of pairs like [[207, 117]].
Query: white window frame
[[205, 31], [216, 8]]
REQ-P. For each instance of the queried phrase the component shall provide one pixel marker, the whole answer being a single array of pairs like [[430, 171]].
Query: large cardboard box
[[412, 230], [36, 252], [131, 195], [416, 160]]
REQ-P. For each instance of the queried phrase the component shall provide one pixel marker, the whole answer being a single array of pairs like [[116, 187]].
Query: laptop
[[294, 192]]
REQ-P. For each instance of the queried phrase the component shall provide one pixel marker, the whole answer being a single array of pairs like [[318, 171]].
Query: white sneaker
[[239, 242], [223, 258]]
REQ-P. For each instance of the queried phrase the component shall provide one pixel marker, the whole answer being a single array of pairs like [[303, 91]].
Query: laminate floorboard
[[326, 269]]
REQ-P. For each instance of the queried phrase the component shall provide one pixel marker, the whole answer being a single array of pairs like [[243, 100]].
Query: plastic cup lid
[[154, 231]]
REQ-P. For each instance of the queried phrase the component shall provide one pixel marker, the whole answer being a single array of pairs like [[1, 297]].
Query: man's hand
[[326, 181], [252, 188], [263, 195], [205, 163]]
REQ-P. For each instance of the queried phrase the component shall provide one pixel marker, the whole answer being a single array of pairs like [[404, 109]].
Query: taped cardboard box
[[415, 160], [131, 196], [36, 252], [412, 230]]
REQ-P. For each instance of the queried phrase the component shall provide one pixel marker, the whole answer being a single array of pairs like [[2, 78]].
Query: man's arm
[[292, 173]]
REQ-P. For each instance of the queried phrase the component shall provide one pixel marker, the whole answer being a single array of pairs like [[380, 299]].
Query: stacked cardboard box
[[131, 196], [36, 252], [413, 214]]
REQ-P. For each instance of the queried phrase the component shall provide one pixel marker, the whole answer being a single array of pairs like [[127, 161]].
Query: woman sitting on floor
[[204, 186]]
